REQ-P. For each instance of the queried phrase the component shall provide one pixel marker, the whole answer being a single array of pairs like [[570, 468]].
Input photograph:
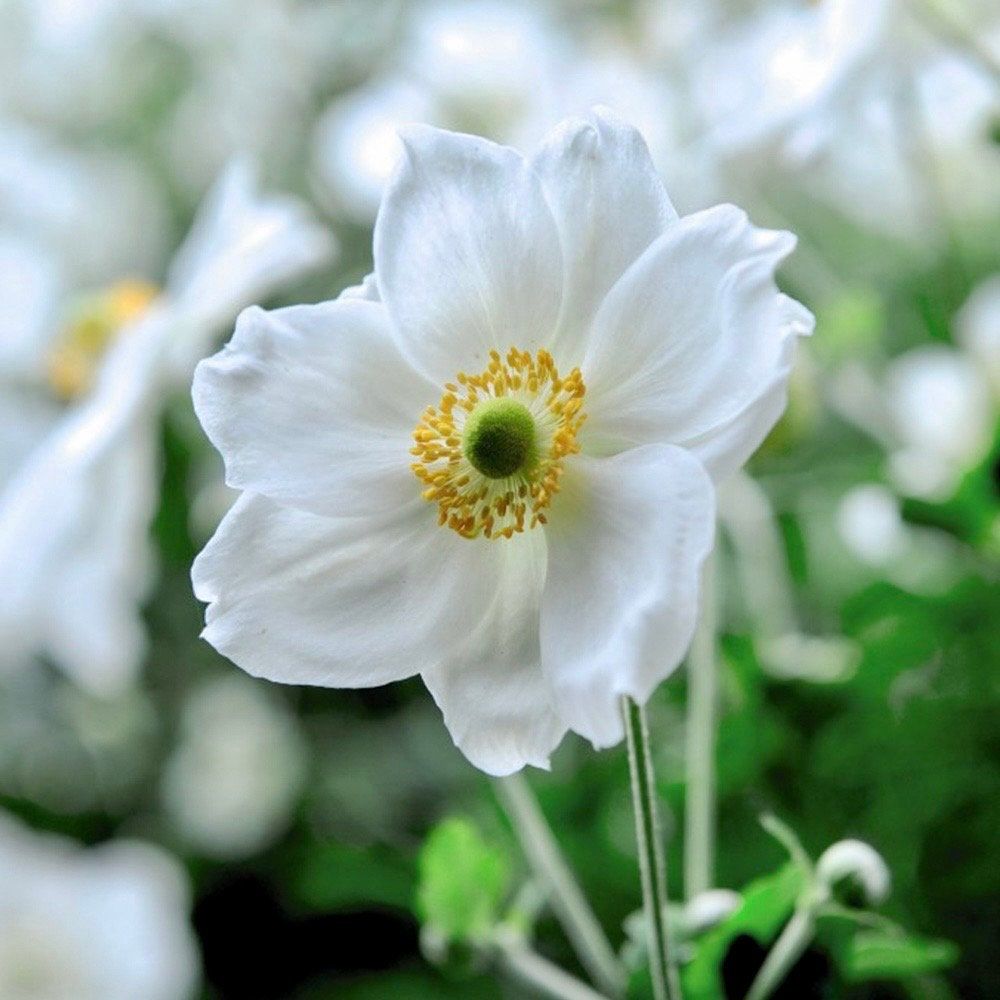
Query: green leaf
[[462, 882], [332, 876], [768, 902], [883, 955]]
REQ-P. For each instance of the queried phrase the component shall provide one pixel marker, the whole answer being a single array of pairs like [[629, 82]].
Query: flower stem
[[699, 814], [539, 974], [651, 861], [565, 896], [787, 950]]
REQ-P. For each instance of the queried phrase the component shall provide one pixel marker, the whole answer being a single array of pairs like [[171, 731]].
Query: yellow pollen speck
[[498, 506], [76, 355]]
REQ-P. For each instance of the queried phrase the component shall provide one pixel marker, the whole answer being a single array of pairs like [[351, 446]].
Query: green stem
[[651, 861], [540, 975], [787, 950], [565, 896], [699, 813]]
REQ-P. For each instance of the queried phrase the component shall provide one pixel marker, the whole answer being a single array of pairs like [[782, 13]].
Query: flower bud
[[859, 860]]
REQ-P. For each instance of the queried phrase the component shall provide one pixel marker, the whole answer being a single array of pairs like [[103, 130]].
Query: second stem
[[652, 866]]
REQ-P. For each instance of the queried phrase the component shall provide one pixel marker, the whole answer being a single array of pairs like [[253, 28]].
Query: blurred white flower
[[75, 512], [232, 783], [254, 69], [75, 64], [98, 212], [774, 80], [106, 923], [855, 104], [504, 71], [944, 418], [356, 146], [871, 525], [484, 67], [402, 516], [707, 909], [977, 330]]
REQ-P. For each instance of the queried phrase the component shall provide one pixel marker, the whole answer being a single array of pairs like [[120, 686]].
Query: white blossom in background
[[780, 79], [856, 104], [255, 70], [944, 417], [75, 510], [977, 330], [103, 923], [230, 786], [871, 524], [52, 195], [486, 67], [492, 464], [945, 401], [74, 65], [504, 71]]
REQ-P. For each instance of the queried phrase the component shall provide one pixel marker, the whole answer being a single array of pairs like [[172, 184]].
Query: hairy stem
[[651, 861]]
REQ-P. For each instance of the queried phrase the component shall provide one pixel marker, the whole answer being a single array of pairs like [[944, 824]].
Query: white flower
[[109, 923], [356, 146], [943, 415], [491, 466], [52, 195], [778, 78], [504, 71], [977, 330], [484, 67], [232, 782], [871, 525], [75, 513]]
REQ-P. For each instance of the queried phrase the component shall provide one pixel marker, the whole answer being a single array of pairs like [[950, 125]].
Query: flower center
[[491, 453], [95, 322], [499, 438]]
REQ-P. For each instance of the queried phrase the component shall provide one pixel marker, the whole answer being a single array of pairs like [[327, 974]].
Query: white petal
[[693, 335], [367, 290], [241, 247], [29, 294], [496, 701], [627, 537], [608, 202], [73, 566], [348, 602], [313, 406], [727, 446], [466, 253]]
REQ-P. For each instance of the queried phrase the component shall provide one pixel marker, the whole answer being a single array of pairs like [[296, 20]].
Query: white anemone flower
[[492, 465], [75, 509], [943, 415], [108, 923], [231, 784]]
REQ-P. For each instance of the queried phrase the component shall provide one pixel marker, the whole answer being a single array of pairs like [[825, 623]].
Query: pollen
[[96, 322], [491, 453]]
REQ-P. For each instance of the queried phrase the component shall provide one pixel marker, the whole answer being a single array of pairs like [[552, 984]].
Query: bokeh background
[[172, 828]]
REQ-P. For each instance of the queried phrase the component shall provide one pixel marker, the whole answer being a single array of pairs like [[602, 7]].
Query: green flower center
[[499, 438]]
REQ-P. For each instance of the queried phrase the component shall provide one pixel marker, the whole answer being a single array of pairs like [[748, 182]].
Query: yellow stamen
[[481, 498], [98, 319]]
